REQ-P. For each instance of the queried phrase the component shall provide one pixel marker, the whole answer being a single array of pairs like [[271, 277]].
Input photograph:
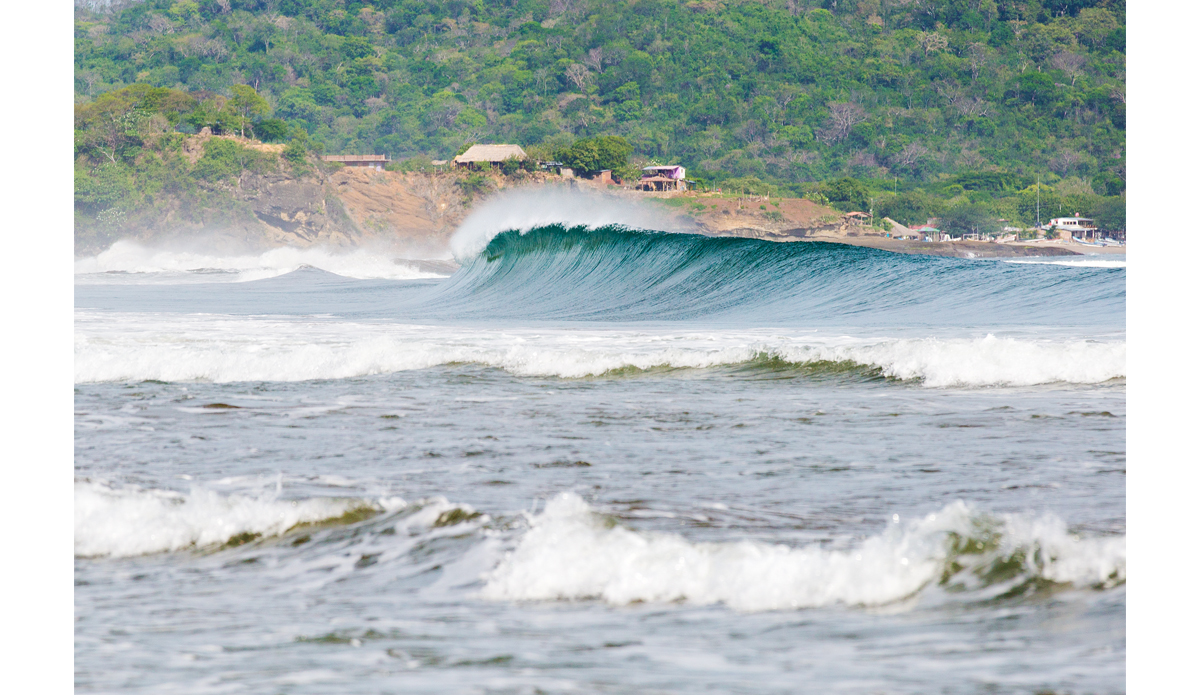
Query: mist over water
[[601, 455], [128, 262]]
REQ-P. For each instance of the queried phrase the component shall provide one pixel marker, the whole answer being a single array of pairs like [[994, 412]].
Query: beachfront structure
[[371, 161], [663, 178], [930, 233], [857, 219], [489, 154], [1075, 225]]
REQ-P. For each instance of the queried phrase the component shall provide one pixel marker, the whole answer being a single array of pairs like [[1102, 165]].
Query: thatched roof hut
[[490, 154]]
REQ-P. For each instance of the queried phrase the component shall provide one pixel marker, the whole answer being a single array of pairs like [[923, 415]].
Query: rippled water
[[605, 461]]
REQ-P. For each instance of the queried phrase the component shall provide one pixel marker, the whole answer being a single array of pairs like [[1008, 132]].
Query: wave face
[[614, 273], [572, 553]]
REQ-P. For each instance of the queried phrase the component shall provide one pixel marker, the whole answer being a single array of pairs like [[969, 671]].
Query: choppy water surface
[[602, 461]]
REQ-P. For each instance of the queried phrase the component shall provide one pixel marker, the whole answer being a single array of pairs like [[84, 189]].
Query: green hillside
[[943, 101]]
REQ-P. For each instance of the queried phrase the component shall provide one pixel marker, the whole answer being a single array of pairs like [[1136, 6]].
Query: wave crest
[[571, 553], [123, 522], [226, 349]]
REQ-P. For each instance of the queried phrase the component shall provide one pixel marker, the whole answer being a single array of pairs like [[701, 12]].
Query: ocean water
[[599, 459]]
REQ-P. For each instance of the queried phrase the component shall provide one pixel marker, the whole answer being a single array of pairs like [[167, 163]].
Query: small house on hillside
[[489, 154], [663, 178], [372, 161], [857, 219]]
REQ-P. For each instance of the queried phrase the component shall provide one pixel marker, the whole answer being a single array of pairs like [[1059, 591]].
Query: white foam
[[570, 553], [130, 262], [174, 347], [122, 522], [524, 209]]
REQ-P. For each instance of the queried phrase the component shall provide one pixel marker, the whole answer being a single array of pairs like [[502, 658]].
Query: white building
[[1075, 225]]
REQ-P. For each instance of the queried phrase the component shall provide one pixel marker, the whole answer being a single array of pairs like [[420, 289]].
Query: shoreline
[[971, 249]]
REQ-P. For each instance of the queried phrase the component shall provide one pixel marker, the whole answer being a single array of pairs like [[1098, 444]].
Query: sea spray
[[525, 209], [128, 261]]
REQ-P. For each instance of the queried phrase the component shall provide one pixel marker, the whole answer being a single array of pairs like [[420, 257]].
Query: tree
[[931, 42], [909, 208], [107, 124], [578, 75], [1094, 25], [846, 194], [1032, 206], [1035, 87], [1070, 63], [583, 155], [596, 154], [910, 156], [843, 116], [273, 130], [247, 105], [1110, 214], [612, 152], [969, 218]]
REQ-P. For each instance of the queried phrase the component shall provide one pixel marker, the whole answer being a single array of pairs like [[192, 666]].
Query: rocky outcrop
[[297, 211]]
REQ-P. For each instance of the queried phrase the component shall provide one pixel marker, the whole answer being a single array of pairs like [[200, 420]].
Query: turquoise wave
[[615, 273]]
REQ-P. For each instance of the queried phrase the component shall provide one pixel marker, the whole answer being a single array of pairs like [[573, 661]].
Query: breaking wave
[[524, 210], [128, 262], [571, 553], [229, 349], [616, 273], [122, 522]]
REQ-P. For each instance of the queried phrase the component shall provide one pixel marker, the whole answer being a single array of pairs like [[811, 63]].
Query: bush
[[222, 159], [474, 184], [510, 166], [296, 154], [418, 162], [225, 159]]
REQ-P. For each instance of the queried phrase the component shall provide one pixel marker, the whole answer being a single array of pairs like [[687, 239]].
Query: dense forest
[[911, 107]]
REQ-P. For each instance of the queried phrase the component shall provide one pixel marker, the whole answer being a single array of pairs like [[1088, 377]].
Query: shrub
[[510, 166], [474, 184], [297, 155]]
